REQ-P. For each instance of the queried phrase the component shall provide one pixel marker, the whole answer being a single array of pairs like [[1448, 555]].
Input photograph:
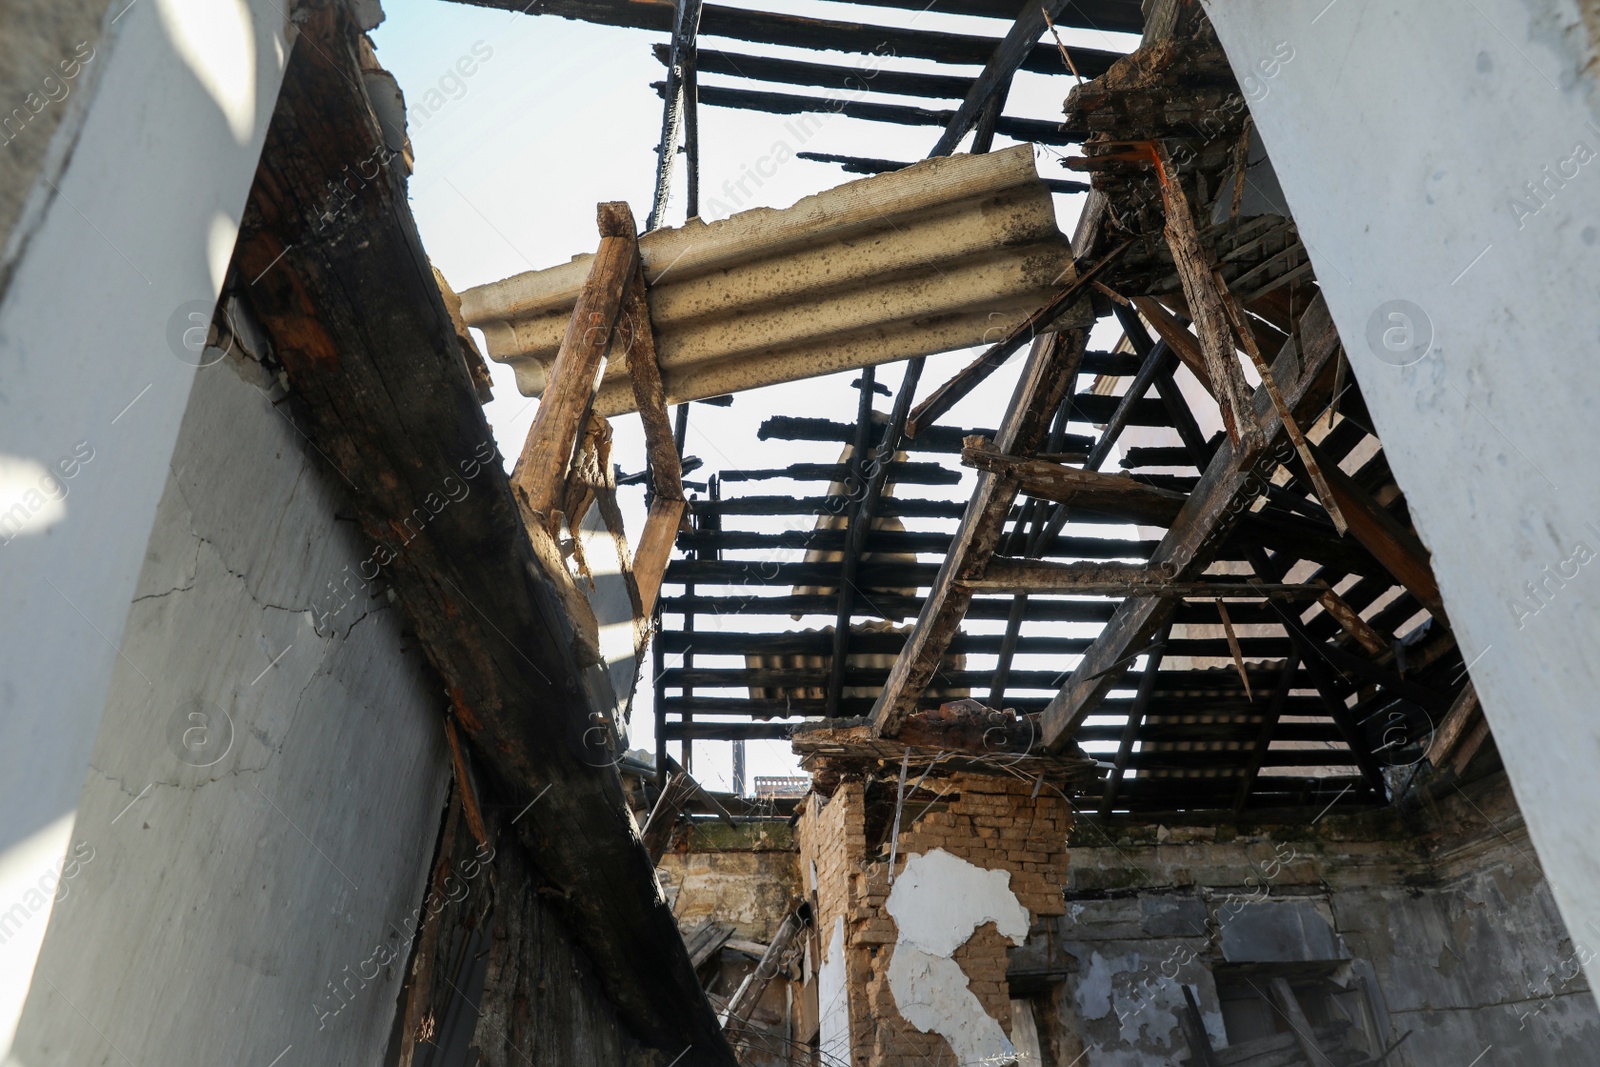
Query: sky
[[556, 116]]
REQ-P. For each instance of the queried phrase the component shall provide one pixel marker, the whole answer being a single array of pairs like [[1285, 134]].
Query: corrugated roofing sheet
[[945, 254]]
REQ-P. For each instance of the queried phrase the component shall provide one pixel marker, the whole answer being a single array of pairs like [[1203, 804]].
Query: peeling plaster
[[938, 902], [833, 1000]]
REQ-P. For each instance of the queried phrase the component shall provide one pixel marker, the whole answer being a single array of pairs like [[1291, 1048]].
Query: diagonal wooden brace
[[541, 470]]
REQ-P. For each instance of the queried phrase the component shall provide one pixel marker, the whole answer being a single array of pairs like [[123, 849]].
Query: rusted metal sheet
[[948, 253]]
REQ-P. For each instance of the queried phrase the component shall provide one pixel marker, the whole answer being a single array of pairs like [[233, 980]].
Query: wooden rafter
[[1209, 512], [1051, 370]]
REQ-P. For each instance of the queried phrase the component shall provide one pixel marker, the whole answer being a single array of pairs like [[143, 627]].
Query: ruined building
[[1107, 584]]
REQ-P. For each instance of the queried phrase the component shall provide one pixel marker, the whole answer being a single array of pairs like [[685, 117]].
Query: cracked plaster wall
[[1450, 918], [247, 865], [1443, 165]]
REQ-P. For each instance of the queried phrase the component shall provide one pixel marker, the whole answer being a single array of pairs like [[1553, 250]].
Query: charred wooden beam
[[680, 68], [990, 86], [905, 473], [866, 165], [889, 541], [1051, 370], [860, 520], [854, 79], [1223, 494], [933, 439], [814, 643], [1106, 16], [1034, 130], [378, 384], [1005, 575], [728, 731]]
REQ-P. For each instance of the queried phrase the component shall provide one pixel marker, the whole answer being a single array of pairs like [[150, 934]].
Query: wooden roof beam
[[1008, 55], [1223, 493], [765, 27], [1035, 130], [1051, 370]]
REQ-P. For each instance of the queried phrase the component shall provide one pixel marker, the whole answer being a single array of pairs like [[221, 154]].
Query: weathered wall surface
[[119, 202], [1448, 917], [265, 791], [1443, 164], [747, 875]]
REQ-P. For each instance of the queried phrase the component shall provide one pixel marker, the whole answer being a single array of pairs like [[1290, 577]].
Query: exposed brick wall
[[992, 822]]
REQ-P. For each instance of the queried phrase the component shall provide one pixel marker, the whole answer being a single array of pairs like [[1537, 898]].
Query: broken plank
[[542, 468], [1193, 262], [1178, 338], [650, 559]]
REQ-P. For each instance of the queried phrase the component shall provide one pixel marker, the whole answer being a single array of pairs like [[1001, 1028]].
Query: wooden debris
[[1193, 262], [755, 983], [1299, 1025], [541, 470], [706, 940]]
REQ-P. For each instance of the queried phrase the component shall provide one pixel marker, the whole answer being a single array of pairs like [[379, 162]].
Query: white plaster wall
[[132, 219], [252, 871], [938, 901], [1404, 135]]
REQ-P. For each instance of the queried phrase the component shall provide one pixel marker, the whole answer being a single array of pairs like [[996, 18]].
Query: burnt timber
[[355, 315]]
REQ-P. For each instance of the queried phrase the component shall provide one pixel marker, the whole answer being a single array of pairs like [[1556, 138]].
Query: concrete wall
[[1447, 916], [121, 200], [265, 790], [1443, 164]]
